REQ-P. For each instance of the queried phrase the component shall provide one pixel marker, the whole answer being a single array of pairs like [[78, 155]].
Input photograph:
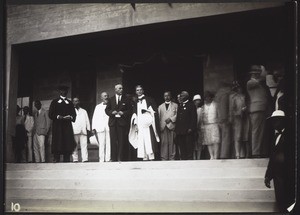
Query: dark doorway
[[166, 72]]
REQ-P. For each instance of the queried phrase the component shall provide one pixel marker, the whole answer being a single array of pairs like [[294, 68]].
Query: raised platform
[[152, 186]]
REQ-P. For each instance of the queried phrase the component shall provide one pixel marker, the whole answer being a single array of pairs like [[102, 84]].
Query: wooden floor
[[153, 186]]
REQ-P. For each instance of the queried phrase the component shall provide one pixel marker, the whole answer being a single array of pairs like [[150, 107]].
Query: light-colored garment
[[211, 133], [168, 147], [100, 118], [258, 96], [39, 147], [143, 121], [199, 139], [41, 122], [279, 95], [82, 122], [104, 146], [236, 104], [164, 114], [29, 123], [100, 123], [82, 140]]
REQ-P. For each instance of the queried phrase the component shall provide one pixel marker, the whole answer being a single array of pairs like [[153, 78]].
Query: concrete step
[[146, 194], [250, 172], [90, 206], [141, 165], [129, 183], [158, 186]]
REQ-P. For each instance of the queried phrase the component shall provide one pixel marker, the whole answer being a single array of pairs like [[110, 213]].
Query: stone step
[[90, 206], [145, 194], [129, 183], [141, 165], [250, 172]]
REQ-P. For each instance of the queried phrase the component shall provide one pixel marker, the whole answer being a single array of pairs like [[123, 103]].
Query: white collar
[[185, 102], [168, 102], [63, 97], [141, 96]]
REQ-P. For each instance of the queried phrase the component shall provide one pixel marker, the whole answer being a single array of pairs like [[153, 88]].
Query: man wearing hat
[[258, 106], [62, 113], [167, 113], [278, 167], [198, 134]]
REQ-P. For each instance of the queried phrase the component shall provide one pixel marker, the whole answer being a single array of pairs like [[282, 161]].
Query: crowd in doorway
[[227, 124]]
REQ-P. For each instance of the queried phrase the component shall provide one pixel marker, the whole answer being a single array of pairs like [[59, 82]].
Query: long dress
[[62, 131], [211, 132]]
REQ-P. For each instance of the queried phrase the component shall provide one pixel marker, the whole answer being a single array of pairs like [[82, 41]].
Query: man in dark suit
[[62, 113], [119, 110], [186, 125], [281, 160]]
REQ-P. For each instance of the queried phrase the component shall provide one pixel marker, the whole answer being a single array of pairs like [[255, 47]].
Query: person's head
[[119, 89], [184, 95], [236, 87], [139, 90], [37, 104], [197, 100], [18, 109], [104, 97], [63, 90], [208, 97], [26, 110], [255, 71], [167, 96], [76, 102], [179, 99]]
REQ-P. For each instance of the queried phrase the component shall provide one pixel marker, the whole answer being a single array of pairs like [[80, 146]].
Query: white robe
[[140, 138]]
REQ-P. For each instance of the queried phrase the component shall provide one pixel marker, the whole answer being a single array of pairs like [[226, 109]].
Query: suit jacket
[[124, 105], [258, 96], [164, 114], [186, 118], [282, 166], [41, 123]]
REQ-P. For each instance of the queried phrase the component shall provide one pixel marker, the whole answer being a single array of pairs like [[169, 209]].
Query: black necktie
[[141, 99]]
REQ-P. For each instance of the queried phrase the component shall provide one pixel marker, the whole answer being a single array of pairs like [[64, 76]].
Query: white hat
[[277, 113], [196, 97]]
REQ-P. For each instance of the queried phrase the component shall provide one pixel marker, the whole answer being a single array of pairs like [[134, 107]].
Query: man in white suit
[[80, 128], [167, 112], [100, 124]]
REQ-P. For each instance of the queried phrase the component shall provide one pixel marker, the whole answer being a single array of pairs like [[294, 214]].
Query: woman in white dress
[[210, 127]]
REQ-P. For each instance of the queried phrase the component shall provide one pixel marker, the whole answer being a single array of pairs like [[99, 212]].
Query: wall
[[217, 68], [107, 78]]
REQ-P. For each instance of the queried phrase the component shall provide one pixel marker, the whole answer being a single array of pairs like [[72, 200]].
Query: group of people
[[229, 123]]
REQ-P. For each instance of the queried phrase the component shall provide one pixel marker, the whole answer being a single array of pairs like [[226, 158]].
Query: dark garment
[[283, 176], [62, 131], [186, 118], [186, 146], [118, 127], [20, 141]]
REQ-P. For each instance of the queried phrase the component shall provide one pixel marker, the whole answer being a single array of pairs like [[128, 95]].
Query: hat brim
[[275, 117]]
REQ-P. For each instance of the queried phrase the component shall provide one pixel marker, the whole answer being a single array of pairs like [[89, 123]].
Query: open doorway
[[165, 72]]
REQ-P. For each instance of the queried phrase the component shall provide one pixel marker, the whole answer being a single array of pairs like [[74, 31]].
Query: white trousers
[[39, 148], [82, 140], [104, 146], [29, 149]]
